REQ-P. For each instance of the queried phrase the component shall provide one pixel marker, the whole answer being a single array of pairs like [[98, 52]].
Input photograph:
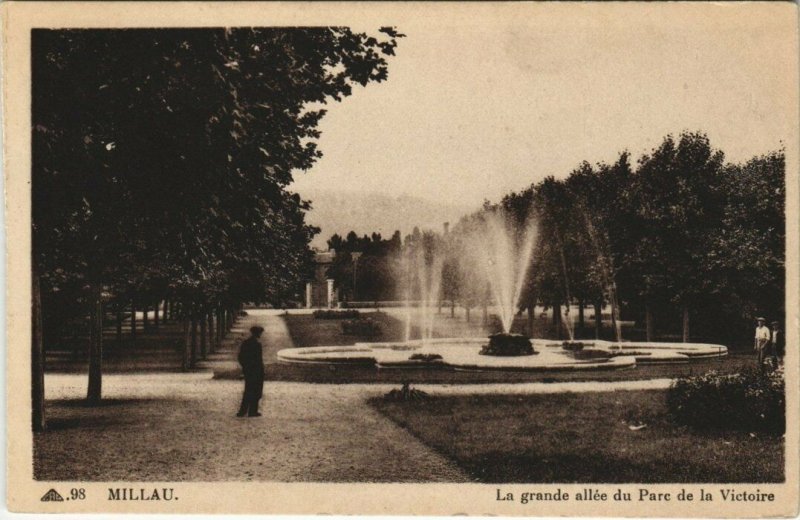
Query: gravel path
[[182, 427]]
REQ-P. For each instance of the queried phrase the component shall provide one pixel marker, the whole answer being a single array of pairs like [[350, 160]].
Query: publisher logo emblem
[[52, 496]]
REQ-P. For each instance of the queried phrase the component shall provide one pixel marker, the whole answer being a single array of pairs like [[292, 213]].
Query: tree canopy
[[164, 156], [682, 230]]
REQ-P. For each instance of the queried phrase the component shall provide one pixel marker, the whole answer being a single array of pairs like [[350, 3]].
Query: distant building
[[320, 291]]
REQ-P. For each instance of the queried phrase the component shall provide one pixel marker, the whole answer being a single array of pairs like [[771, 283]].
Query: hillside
[[362, 212]]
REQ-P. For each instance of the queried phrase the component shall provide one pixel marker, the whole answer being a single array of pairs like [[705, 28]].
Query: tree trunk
[[557, 318], [581, 321], [685, 323], [203, 330], [145, 319], [648, 322], [120, 317], [193, 358], [94, 392], [212, 342], [155, 316], [37, 359], [485, 314], [187, 344], [531, 317], [614, 319], [133, 320], [598, 319], [467, 312], [219, 328], [452, 308]]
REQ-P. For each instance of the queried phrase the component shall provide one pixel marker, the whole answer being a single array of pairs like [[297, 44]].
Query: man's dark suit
[[253, 368]]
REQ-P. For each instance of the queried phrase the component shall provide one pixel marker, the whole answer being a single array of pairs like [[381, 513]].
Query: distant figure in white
[[762, 338]]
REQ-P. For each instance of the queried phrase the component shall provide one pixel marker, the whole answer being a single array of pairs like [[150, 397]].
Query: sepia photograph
[[541, 254]]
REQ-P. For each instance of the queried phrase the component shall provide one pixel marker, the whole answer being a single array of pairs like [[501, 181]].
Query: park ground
[[160, 424]]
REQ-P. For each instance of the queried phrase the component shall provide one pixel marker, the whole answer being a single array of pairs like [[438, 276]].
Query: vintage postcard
[[354, 258]]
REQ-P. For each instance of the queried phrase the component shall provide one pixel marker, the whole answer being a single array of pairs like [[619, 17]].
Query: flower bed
[[348, 314], [361, 327], [572, 345], [427, 358]]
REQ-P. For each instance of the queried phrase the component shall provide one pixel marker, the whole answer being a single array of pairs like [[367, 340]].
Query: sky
[[475, 108]]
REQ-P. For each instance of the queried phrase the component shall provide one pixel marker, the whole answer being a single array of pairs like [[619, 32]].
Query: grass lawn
[[307, 331], [565, 438]]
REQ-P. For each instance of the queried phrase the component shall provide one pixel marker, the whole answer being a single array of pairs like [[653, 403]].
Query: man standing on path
[[252, 362], [761, 341]]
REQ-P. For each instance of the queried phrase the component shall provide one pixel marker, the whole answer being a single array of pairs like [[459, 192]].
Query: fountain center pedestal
[[506, 344]]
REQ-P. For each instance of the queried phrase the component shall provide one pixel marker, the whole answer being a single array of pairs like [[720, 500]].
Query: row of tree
[[161, 160], [680, 241], [681, 234], [364, 268]]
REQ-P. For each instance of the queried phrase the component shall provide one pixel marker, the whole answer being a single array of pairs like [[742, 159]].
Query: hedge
[[752, 400]]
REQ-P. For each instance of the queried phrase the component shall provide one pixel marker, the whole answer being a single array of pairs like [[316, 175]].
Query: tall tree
[[679, 202], [745, 257], [161, 158]]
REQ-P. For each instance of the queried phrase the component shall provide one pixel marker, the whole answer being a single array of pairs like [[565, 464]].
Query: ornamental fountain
[[502, 253]]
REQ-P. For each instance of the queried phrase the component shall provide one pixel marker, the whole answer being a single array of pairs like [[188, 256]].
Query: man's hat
[[776, 323], [761, 319], [256, 329]]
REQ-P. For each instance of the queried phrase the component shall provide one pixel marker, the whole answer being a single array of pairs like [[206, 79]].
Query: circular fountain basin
[[655, 352], [464, 354]]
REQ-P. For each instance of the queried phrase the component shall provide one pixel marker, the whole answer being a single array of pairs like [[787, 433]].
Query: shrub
[[406, 393], [348, 314], [361, 327], [750, 400]]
